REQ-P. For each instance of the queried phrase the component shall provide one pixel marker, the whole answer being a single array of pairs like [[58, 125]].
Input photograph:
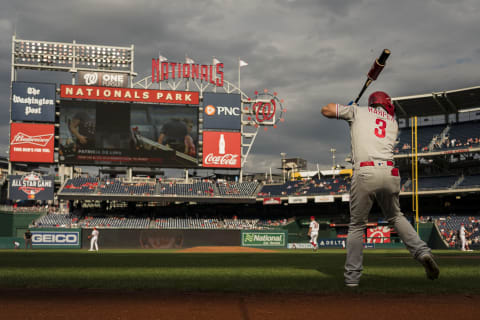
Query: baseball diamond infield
[[227, 284]]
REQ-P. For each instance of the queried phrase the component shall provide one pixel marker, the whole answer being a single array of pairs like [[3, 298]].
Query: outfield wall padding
[[161, 239]]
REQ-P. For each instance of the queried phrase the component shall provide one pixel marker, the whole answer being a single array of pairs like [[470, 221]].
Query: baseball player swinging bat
[[375, 70]]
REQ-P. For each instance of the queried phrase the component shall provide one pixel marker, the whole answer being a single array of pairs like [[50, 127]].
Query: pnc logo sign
[[222, 111]]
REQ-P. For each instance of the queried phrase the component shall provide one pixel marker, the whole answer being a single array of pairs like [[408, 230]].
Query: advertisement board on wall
[[31, 186], [222, 111], [222, 149], [56, 238], [295, 200], [102, 79], [272, 201], [95, 133], [322, 199], [33, 101], [270, 239], [31, 142]]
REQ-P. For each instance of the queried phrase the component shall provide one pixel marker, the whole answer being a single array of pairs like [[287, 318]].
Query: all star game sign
[[31, 186]]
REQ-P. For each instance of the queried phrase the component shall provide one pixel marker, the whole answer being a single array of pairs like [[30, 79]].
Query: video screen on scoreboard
[[101, 133]]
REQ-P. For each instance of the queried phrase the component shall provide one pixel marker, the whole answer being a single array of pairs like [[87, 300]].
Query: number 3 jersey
[[373, 132]]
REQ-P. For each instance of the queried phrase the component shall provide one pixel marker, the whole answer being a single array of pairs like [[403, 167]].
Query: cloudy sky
[[309, 51]]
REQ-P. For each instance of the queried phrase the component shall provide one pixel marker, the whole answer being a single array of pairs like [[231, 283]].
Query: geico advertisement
[[222, 149], [221, 111], [65, 238]]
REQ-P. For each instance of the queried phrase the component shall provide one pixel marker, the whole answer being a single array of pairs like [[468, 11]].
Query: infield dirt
[[40, 304]]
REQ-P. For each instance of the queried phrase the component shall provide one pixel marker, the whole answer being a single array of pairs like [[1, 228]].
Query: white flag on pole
[[215, 61], [162, 58], [243, 63], [189, 60]]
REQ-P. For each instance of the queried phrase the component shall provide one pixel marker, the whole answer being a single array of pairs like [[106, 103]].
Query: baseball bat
[[375, 70]]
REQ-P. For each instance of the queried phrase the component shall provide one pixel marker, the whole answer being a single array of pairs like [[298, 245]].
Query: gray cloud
[[310, 52]]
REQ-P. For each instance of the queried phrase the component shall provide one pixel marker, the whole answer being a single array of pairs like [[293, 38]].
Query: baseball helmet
[[312, 218], [383, 99]]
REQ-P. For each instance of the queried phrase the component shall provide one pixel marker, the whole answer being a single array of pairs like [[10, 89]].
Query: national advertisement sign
[[129, 94], [33, 101], [221, 111], [222, 149], [271, 239], [60, 238], [31, 142], [31, 186]]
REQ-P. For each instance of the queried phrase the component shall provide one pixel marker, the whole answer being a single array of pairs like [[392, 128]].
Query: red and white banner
[[222, 149], [32, 142], [380, 234], [128, 94], [270, 201]]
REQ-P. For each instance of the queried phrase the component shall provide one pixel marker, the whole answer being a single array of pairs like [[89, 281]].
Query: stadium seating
[[425, 136], [56, 220], [237, 189], [450, 225], [81, 185], [462, 135]]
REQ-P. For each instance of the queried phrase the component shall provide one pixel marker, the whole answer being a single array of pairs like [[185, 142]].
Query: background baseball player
[[373, 132], [313, 232], [94, 239]]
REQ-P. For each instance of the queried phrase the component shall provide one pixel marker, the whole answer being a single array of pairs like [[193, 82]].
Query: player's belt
[[376, 163]]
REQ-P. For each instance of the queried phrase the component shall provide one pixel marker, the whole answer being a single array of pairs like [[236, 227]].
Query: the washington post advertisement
[[95, 133]]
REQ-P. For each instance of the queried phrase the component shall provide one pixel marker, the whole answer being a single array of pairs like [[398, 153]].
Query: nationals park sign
[[264, 239], [129, 94]]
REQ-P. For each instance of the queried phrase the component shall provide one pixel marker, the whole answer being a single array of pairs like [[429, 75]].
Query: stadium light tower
[[333, 150], [283, 154]]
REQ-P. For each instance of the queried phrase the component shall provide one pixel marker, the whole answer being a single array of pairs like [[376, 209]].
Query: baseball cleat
[[431, 267]]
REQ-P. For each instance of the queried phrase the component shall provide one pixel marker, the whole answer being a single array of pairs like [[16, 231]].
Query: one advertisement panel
[[31, 186], [129, 94], [102, 79], [32, 142], [297, 200], [222, 149], [272, 201], [222, 111], [97, 133], [56, 238], [346, 197], [322, 199], [33, 101], [264, 239]]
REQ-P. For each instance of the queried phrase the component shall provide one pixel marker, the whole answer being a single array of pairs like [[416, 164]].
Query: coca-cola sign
[[31, 142], [222, 149]]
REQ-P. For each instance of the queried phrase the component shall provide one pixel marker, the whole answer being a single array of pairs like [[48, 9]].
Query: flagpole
[[239, 76]]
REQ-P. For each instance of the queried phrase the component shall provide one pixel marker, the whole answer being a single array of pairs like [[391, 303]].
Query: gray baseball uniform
[[373, 133]]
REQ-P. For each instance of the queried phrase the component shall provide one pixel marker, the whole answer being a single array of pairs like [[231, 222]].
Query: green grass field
[[390, 271]]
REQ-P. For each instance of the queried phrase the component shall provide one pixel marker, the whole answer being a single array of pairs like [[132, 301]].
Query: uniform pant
[[463, 241], [94, 243], [313, 238], [368, 184]]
